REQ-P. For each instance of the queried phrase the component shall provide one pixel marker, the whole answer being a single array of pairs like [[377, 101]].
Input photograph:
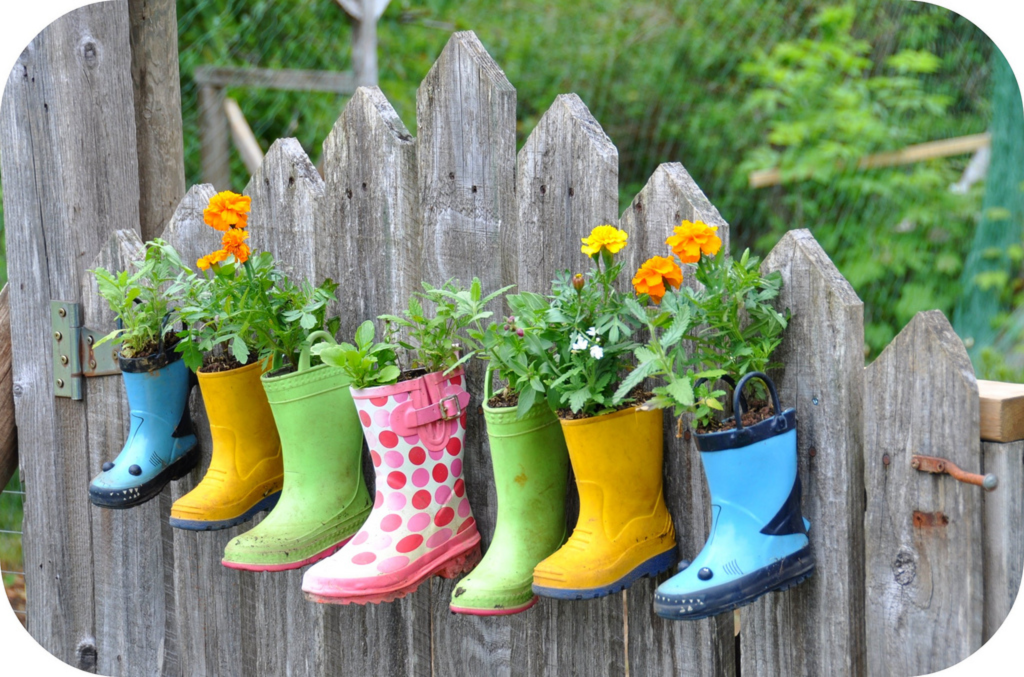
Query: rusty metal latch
[[73, 354], [939, 466]]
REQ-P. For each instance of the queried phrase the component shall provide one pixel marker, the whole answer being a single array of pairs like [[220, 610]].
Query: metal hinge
[[73, 353]]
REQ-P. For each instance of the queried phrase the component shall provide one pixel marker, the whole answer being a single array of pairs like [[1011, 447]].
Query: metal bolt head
[[57, 335], [60, 383], [92, 364], [813, 452], [88, 339], [885, 459], [62, 312], [64, 360]]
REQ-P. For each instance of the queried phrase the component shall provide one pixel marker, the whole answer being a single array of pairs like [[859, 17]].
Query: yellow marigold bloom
[[227, 210], [234, 244], [205, 262], [692, 239], [604, 237], [654, 274]]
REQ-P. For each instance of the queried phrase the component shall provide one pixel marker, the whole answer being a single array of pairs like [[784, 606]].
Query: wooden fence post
[[1003, 547], [656, 645], [800, 632], [214, 134], [70, 179], [923, 553], [135, 623], [8, 429], [154, 42]]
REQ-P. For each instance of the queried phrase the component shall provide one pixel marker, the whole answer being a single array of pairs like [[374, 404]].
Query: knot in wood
[[90, 50], [904, 567], [85, 655]]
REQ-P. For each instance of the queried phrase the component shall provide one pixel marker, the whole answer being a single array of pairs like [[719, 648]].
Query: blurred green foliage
[[11, 515]]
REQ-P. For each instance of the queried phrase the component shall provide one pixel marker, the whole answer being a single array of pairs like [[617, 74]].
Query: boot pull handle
[[732, 384], [304, 356], [737, 395]]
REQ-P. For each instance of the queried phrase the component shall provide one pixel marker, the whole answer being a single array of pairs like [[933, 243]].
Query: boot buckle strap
[[444, 410]]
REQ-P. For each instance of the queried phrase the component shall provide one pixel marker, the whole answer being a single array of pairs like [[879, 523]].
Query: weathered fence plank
[[799, 632], [70, 178], [8, 429], [466, 145], [154, 43], [923, 553], [656, 645], [1003, 547], [133, 616]]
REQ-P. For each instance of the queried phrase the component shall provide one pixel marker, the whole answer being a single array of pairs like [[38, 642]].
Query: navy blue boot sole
[[267, 503], [776, 577], [651, 568], [129, 498]]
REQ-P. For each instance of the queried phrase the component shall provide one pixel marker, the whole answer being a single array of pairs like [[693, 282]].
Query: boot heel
[[462, 564]]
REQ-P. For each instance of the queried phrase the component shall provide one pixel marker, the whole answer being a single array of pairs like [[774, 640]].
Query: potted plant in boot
[[414, 422], [226, 341], [528, 457], [584, 334], [758, 539], [161, 445], [324, 500]]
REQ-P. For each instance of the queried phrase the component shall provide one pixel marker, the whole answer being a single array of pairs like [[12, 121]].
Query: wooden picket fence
[[121, 593]]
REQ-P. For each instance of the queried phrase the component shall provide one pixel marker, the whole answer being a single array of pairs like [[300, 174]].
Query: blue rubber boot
[[758, 541], [161, 444]]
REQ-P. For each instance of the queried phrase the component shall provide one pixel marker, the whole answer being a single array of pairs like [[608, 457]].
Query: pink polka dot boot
[[421, 524]]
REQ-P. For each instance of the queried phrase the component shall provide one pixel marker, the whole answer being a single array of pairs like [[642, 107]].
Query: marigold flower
[[693, 238], [227, 210], [234, 244], [604, 237], [578, 281], [654, 274], [205, 262]]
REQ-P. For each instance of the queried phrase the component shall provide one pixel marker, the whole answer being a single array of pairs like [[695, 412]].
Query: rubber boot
[[624, 529], [324, 500], [421, 524], [246, 473], [161, 445], [758, 541], [531, 470]]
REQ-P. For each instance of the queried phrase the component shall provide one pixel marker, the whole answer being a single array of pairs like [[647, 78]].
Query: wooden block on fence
[[656, 645], [1002, 411], [799, 632], [68, 151], [1003, 524], [923, 553]]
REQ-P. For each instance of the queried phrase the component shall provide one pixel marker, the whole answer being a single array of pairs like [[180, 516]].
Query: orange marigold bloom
[[654, 274], [215, 257], [691, 239], [227, 210], [234, 244], [604, 237]]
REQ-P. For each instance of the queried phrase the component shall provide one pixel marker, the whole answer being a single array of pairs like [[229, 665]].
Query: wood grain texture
[[153, 26], [465, 110], [567, 182], [8, 426], [283, 79], [1002, 411], [798, 632], [242, 135], [658, 646], [1002, 525], [215, 136], [67, 142], [923, 613], [129, 547]]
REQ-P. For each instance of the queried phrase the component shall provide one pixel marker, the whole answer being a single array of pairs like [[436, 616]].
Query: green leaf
[[526, 401], [239, 350], [578, 398], [388, 374], [632, 380], [681, 390], [365, 334]]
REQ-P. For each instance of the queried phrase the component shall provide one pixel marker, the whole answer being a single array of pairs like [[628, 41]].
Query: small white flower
[[592, 332], [579, 343], [597, 352]]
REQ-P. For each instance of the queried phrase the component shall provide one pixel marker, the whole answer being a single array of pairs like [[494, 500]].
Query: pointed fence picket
[[122, 593]]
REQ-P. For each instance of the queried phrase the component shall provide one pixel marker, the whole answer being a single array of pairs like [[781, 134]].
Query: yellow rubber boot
[[246, 469], [624, 530]]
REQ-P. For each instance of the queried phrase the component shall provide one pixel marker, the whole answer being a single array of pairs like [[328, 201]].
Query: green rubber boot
[[324, 500], [531, 469]]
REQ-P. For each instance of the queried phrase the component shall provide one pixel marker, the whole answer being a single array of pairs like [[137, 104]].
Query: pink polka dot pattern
[[391, 522], [364, 558], [392, 564], [421, 502]]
